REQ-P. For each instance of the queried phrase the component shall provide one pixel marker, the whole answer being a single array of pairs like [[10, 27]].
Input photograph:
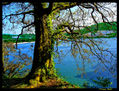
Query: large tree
[[50, 25]]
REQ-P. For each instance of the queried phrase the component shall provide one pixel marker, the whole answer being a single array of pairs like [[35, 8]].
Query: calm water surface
[[69, 68]]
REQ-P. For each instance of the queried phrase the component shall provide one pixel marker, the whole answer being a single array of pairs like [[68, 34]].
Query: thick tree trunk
[[42, 66]]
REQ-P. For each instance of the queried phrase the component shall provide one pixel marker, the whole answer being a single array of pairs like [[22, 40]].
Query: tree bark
[[42, 66]]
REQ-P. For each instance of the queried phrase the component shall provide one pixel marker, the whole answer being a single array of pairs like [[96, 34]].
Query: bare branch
[[72, 17], [62, 7], [28, 12], [22, 32]]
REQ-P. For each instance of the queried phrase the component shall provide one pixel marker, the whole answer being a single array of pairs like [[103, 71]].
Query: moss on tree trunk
[[43, 65]]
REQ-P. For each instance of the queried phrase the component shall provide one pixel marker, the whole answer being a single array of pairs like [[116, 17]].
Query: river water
[[70, 68]]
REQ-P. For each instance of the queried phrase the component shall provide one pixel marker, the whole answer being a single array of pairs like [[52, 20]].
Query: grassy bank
[[92, 28], [101, 27], [22, 38], [19, 83]]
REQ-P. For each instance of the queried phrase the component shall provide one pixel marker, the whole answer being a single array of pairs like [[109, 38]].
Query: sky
[[17, 30], [90, 21], [6, 29]]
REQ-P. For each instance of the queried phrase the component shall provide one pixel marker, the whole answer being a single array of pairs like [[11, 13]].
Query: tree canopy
[[51, 22]]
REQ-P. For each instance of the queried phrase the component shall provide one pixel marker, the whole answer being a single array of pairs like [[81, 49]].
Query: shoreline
[[34, 41], [23, 42]]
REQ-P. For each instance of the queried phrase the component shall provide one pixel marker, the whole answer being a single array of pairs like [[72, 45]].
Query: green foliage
[[101, 26], [49, 23], [104, 82], [112, 34], [44, 4], [31, 37], [93, 30]]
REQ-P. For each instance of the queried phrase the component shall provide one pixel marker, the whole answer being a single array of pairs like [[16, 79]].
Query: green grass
[[101, 27], [23, 38]]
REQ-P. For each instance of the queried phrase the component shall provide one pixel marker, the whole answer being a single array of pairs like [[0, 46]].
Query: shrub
[[14, 68]]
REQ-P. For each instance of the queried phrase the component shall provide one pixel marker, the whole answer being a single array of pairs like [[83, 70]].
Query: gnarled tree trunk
[[42, 67]]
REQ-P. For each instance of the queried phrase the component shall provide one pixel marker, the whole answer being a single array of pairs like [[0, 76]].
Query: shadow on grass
[[7, 83], [20, 83]]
